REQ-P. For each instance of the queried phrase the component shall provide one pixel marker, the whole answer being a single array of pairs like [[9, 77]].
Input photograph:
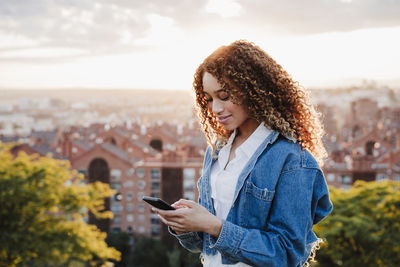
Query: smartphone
[[158, 203]]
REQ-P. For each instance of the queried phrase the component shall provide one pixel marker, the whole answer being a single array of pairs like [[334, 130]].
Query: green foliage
[[120, 241], [363, 229], [151, 252], [43, 206], [189, 259]]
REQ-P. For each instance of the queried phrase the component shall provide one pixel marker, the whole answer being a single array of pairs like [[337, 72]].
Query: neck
[[247, 128]]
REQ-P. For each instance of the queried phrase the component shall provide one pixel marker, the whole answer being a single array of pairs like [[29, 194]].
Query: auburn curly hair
[[266, 91]]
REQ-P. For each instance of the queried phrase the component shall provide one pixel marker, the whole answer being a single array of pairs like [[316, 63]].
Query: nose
[[217, 106]]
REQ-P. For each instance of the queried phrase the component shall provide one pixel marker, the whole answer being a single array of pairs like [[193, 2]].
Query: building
[[368, 146]]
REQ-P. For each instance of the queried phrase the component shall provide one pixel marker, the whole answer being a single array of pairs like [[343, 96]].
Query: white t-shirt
[[224, 177]]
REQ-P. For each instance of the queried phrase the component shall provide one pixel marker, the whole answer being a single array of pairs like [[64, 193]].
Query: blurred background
[[100, 91]]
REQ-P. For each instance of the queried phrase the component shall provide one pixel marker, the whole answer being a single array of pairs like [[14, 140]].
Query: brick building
[[136, 161], [159, 160], [367, 147], [165, 160]]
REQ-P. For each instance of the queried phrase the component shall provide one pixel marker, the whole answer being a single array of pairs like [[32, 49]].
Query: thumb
[[185, 202]]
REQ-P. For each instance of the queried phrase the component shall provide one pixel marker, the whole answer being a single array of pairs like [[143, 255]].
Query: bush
[[43, 206], [363, 229]]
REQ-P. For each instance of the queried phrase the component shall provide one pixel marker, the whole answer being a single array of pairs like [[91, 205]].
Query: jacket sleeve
[[192, 241], [301, 198]]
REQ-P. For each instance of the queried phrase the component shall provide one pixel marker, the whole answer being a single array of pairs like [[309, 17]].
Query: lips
[[223, 119]]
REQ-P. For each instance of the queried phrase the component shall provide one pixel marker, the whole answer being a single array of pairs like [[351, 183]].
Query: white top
[[224, 177]]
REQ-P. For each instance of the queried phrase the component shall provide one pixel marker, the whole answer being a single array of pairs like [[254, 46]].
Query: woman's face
[[229, 114]]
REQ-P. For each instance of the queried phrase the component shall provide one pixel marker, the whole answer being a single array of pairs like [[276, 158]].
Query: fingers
[[165, 213], [178, 231], [177, 206], [175, 225], [169, 223], [185, 202]]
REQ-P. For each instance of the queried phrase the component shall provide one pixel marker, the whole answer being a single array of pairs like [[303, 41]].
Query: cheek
[[241, 112]]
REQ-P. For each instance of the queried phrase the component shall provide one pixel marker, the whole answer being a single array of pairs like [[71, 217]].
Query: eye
[[207, 98], [224, 96]]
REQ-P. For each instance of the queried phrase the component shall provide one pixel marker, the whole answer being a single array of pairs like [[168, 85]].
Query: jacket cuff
[[229, 239], [188, 236]]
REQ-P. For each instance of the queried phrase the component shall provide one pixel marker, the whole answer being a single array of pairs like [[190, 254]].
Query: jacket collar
[[270, 139]]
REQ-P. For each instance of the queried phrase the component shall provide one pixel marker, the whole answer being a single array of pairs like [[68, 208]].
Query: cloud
[[88, 25], [317, 16], [121, 26]]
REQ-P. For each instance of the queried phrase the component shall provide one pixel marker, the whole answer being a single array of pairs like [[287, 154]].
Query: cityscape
[[96, 113], [150, 143]]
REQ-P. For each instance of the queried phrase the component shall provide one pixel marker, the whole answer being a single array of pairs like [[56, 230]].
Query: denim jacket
[[280, 194]]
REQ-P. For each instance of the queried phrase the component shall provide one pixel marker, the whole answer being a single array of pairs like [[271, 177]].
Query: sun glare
[[224, 8]]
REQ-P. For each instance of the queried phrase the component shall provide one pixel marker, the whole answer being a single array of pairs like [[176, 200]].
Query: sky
[[157, 44]]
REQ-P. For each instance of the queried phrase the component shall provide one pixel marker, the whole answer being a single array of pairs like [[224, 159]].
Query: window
[[381, 177], [141, 185], [115, 174], [155, 221], [83, 171], [141, 208], [156, 144], [129, 217], [188, 178], [155, 173], [189, 173], [116, 186], [369, 147], [141, 173], [130, 172], [155, 185], [155, 194], [189, 195], [397, 177], [116, 230], [155, 230], [129, 207], [141, 217], [140, 196], [130, 229], [116, 208], [188, 185], [128, 184], [117, 219], [129, 196], [345, 179], [330, 177], [141, 229]]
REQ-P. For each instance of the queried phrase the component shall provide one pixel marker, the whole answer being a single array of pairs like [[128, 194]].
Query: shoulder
[[289, 155]]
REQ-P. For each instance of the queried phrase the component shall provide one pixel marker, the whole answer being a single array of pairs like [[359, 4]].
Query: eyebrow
[[219, 90]]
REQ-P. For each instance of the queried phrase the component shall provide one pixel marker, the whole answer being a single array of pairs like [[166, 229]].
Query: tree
[[152, 252], [363, 229], [121, 241], [43, 209], [149, 252]]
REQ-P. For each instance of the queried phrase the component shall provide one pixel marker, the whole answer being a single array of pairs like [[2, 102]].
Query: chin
[[229, 128]]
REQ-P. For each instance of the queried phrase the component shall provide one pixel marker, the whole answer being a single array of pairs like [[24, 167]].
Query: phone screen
[[158, 203]]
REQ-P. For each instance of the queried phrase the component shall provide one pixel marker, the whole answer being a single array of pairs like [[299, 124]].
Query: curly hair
[[266, 91]]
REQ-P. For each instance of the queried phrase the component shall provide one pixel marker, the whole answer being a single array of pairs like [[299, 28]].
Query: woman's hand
[[190, 217]]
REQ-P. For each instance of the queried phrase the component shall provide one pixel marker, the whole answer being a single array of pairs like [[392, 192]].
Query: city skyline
[[158, 45]]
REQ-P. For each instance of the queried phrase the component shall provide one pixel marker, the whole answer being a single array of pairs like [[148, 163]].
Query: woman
[[262, 189]]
